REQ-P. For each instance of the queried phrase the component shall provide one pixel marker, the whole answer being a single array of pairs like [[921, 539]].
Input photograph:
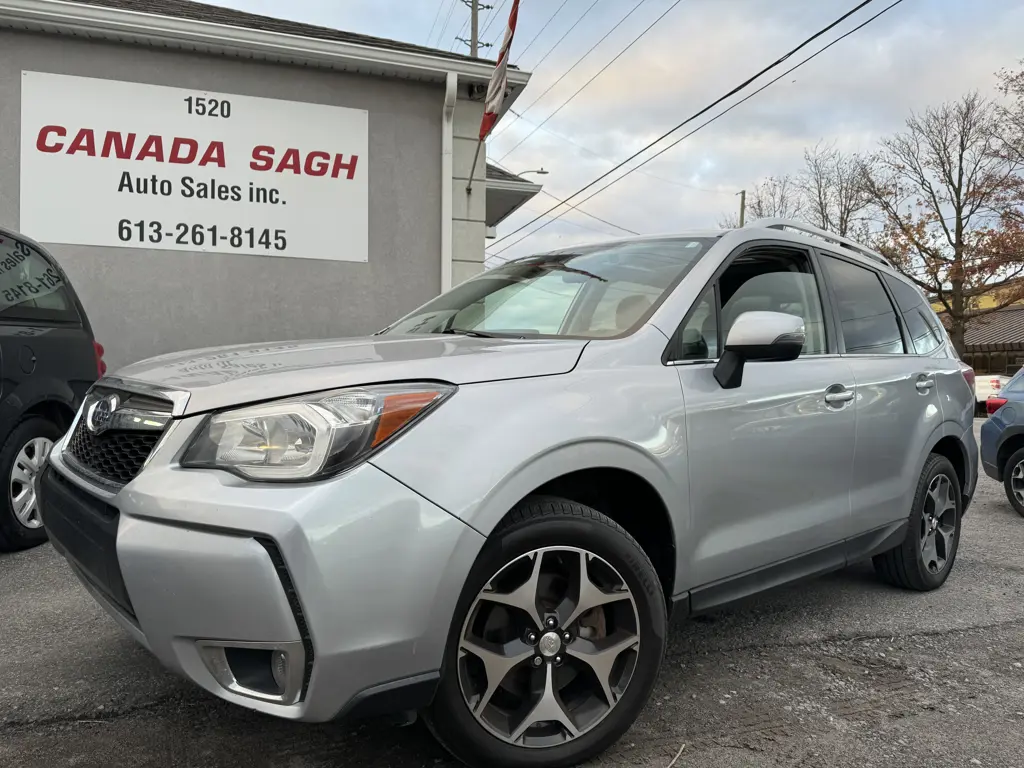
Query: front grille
[[112, 450], [116, 457]]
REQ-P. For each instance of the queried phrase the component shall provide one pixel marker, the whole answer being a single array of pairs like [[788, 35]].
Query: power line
[[574, 207], [543, 27], [570, 69], [495, 13], [437, 16], [718, 101], [609, 160], [451, 10], [564, 221], [567, 32], [599, 72], [587, 226], [460, 33], [706, 123]]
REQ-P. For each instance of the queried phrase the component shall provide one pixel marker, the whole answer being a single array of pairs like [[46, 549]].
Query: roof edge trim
[[114, 23]]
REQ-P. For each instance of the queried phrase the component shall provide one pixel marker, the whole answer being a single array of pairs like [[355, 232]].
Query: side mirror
[[759, 337]]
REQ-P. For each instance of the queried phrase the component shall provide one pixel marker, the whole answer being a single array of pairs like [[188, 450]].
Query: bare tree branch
[[948, 189]]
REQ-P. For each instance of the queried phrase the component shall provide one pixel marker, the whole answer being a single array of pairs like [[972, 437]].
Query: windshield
[[594, 292]]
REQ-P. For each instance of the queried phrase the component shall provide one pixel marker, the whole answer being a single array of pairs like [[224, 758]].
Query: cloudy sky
[[922, 52]]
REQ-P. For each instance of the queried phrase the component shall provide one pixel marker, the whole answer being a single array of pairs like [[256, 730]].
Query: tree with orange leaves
[[947, 195]]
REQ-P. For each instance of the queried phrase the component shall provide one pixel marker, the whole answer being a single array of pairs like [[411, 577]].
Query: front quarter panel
[[494, 443]]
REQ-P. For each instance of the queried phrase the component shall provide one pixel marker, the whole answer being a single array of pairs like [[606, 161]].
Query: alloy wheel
[[548, 647], [1017, 482], [28, 465], [938, 524]]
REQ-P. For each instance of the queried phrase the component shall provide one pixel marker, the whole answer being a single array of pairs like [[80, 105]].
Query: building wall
[[469, 208], [145, 302]]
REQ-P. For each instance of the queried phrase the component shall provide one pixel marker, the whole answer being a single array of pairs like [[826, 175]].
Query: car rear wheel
[[924, 559], [556, 644], [1013, 481], [22, 459]]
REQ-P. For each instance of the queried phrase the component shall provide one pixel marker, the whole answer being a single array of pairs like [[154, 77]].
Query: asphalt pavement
[[840, 671]]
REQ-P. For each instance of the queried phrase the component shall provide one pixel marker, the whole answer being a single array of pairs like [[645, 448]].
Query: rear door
[[898, 406], [44, 341], [925, 337]]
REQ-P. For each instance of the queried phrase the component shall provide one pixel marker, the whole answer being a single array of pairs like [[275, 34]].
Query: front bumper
[[359, 576]]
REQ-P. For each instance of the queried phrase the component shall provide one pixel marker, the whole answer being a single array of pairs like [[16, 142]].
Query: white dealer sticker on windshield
[[25, 277], [111, 163]]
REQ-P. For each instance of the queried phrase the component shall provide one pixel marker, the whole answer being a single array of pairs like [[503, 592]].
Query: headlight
[[313, 436]]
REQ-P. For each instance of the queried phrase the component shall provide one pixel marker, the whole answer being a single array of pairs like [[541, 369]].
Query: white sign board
[[110, 163]]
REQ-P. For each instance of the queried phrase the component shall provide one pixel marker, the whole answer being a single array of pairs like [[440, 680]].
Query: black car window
[[926, 334], [867, 317], [31, 287]]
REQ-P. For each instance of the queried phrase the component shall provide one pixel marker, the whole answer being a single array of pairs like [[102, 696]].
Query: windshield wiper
[[474, 334]]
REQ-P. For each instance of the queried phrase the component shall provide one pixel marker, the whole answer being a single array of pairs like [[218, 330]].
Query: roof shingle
[[214, 14], [494, 173], [1004, 326]]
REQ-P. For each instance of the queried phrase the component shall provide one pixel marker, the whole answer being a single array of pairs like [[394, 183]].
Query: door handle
[[833, 398], [924, 384]]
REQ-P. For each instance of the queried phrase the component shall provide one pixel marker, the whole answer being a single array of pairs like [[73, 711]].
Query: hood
[[221, 377]]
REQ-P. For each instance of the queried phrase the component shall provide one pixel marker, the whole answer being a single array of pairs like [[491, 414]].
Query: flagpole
[[472, 171], [495, 91]]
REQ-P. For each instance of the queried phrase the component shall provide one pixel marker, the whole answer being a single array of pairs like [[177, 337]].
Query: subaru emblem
[[99, 414]]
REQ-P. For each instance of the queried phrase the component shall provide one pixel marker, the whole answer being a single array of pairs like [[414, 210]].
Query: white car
[[986, 386]]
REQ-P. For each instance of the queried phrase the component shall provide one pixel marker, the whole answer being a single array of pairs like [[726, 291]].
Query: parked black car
[[48, 360]]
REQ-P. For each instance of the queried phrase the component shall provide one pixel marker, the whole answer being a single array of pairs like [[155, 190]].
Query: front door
[[898, 406], [769, 462]]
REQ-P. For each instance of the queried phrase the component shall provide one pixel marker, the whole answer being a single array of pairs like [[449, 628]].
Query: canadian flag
[[499, 80]]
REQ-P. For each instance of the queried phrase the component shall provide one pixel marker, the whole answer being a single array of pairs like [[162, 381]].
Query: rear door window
[[867, 318], [926, 334], [31, 287]]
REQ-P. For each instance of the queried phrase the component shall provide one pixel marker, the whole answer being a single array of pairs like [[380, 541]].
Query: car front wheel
[[556, 644]]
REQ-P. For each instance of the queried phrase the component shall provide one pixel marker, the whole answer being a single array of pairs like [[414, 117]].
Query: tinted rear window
[[867, 317], [31, 287], [923, 327]]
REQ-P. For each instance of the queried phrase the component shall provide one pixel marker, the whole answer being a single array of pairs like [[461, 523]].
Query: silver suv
[[488, 511]]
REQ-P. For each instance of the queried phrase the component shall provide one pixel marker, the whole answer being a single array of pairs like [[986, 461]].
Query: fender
[[1007, 434], [30, 393], [945, 429], [574, 456]]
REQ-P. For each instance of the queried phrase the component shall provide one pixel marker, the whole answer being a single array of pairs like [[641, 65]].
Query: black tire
[[544, 522], [904, 565], [13, 535], [1012, 462]]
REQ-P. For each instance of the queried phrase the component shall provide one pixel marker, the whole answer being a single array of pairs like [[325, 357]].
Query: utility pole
[[743, 206], [475, 6], [474, 25]]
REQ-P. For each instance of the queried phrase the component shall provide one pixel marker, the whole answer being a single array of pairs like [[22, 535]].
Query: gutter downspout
[[451, 94]]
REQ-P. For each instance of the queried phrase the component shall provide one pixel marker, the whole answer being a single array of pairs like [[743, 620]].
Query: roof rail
[[807, 229]]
